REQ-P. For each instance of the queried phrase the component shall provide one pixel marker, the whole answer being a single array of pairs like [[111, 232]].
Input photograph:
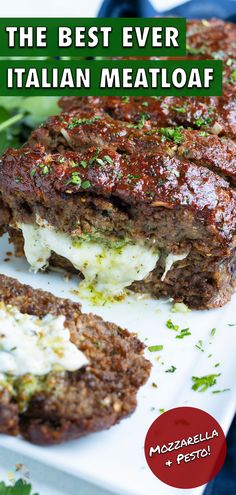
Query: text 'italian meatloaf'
[[63, 374], [124, 191]]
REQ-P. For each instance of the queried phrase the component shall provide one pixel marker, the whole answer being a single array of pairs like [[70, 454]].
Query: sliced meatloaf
[[154, 221], [135, 192], [62, 405]]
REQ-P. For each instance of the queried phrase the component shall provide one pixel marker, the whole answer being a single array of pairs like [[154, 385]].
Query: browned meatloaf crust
[[80, 129], [69, 405], [139, 178]]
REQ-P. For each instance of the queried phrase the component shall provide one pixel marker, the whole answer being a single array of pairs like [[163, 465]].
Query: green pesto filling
[[97, 237], [23, 388]]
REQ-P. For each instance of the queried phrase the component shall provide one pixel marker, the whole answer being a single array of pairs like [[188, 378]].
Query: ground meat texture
[[4, 216], [72, 404]]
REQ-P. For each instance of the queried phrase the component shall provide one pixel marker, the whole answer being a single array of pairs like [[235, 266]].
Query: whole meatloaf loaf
[[63, 374]]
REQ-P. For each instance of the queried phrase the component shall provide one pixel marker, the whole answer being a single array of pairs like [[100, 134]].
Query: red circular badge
[[185, 447]]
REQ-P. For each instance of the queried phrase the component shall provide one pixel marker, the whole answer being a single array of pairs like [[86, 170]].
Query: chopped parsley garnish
[[195, 51], [154, 385], [202, 383], [17, 179], [172, 369], [108, 159], [132, 177], [213, 331], [99, 161], [179, 109], [145, 104], [83, 164], [161, 410], [171, 326], [203, 134], [45, 170], [232, 78], [220, 391], [75, 179], [205, 119], [172, 133], [183, 333], [143, 117], [86, 184], [199, 346], [75, 122], [155, 348], [231, 324], [125, 99]]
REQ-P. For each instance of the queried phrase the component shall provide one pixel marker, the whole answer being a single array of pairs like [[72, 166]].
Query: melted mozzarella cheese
[[32, 345], [170, 260], [106, 267]]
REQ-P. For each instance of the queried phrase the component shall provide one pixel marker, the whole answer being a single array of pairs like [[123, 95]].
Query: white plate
[[114, 459]]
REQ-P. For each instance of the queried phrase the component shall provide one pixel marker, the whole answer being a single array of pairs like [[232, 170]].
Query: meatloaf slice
[[79, 129], [212, 114], [158, 223], [214, 39], [63, 405]]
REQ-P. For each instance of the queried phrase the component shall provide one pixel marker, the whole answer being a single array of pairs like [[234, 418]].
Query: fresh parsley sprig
[[21, 487]]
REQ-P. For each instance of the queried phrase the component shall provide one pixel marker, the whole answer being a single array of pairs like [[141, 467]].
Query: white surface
[[114, 459], [44, 479]]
